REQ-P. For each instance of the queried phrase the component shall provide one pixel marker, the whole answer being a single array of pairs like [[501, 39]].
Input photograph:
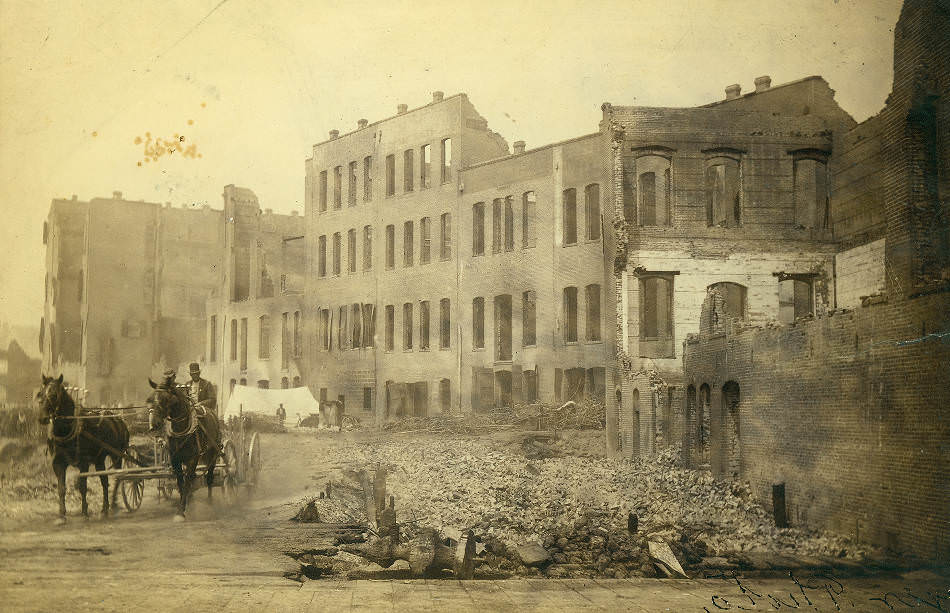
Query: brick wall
[[859, 272], [850, 411]]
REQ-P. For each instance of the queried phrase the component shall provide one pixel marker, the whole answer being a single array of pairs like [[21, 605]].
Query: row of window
[[410, 174], [290, 338], [361, 329], [285, 383], [647, 189], [408, 241], [503, 224]]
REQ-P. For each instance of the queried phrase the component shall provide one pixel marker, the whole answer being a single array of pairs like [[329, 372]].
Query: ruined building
[[125, 287], [840, 417], [446, 273]]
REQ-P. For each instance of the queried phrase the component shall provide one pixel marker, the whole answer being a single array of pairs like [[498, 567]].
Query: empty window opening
[[263, 351], [351, 250], [408, 170], [593, 312], [445, 236], [509, 224], [234, 339], [529, 210], [322, 256], [243, 344], [390, 175], [425, 166], [390, 327], [341, 329], [811, 192], [369, 325], [795, 299], [503, 388], [336, 253], [478, 323], [407, 326], [445, 395], [496, 225], [530, 385], [338, 187], [351, 184], [323, 191], [356, 323], [722, 192], [592, 211], [325, 329], [478, 228], [731, 452], [570, 314], [368, 178], [407, 244], [367, 399], [656, 317], [425, 240], [367, 247], [729, 302], [424, 325], [570, 216], [446, 160], [503, 327], [445, 324], [529, 311]]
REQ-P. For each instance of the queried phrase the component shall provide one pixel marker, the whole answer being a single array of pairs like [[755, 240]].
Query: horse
[[193, 436], [79, 442]]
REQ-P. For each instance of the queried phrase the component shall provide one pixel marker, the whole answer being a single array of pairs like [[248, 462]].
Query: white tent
[[296, 401]]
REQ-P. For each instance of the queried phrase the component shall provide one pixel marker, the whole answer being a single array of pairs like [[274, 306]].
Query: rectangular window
[[529, 311], [298, 349], [446, 160], [810, 178], [478, 323], [509, 224], [356, 323], [351, 181], [368, 178], [369, 325], [570, 216], [647, 187], [390, 327], [323, 191], [214, 338], [478, 228], [336, 253], [529, 206], [425, 167], [390, 247], [263, 345], [390, 175], [445, 324], [593, 312], [284, 340], [407, 326], [794, 300], [722, 192], [338, 187], [322, 256], [445, 395], [325, 329], [425, 240], [407, 246], [496, 237], [592, 211], [367, 399], [341, 329], [234, 339], [503, 327], [367, 247], [656, 317], [351, 250], [445, 236], [244, 343], [424, 325], [570, 314], [408, 170]]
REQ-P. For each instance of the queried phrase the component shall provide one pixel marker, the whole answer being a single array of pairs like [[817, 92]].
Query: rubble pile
[[570, 415], [579, 509]]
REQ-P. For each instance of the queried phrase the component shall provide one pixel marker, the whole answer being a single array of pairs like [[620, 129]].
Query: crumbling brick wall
[[851, 411]]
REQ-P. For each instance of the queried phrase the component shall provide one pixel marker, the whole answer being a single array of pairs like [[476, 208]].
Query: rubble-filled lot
[[558, 507]]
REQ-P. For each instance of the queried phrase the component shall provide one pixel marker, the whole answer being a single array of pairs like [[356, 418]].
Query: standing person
[[281, 415], [201, 390]]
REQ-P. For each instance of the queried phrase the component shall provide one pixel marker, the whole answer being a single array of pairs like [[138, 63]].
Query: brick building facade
[[847, 411]]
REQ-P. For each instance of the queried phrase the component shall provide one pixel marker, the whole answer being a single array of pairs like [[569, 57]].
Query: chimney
[[437, 96], [75, 197], [732, 91], [519, 147], [268, 211], [763, 83], [334, 134], [117, 195], [402, 108], [362, 123]]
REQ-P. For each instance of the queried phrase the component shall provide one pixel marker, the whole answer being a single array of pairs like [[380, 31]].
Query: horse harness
[[195, 414]]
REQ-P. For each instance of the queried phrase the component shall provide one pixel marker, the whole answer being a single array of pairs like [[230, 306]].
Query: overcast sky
[[252, 85]]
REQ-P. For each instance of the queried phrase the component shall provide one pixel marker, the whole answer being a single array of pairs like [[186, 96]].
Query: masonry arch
[[731, 457]]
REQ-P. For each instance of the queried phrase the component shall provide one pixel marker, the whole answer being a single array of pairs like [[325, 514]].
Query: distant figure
[[281, 415], [201, 390]]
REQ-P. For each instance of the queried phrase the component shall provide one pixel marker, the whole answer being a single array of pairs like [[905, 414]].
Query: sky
[[246, 88]]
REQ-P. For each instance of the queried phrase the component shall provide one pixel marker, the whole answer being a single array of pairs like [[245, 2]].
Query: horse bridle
[[174, 420], [54, 415]]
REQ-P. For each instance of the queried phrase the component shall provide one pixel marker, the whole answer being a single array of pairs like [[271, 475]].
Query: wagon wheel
[[229, 478], [254, 461], [132, 489]]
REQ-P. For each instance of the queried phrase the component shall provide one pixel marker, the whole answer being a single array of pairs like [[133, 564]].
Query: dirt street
[[229, 558]]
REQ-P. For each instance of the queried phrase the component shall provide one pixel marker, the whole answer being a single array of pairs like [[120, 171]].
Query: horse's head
[[163, 402], [52, 398]]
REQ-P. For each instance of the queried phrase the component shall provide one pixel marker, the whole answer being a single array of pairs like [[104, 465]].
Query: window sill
[[571, 343], [597, 342], [566, 245], [478, 349], [423, 349], [446, 348], [531, 346], [407, 350]]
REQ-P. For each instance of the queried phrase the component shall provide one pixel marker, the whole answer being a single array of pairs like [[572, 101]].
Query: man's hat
[[193, 367]]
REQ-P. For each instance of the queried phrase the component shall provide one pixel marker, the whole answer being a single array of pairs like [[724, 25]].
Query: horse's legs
[[182, 484], [59, 467], [211, 460], [83, 467], [116, 463], [104, 480]]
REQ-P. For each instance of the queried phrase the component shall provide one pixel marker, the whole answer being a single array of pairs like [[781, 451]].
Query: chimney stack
[[402, 108], [733, 91], [334, 134], [519, 146], [763, 83], [437, 96], [362, 123], [117, 195]]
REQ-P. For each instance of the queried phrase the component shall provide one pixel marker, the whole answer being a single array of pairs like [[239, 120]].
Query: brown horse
[[76, 442], [193, 435]]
